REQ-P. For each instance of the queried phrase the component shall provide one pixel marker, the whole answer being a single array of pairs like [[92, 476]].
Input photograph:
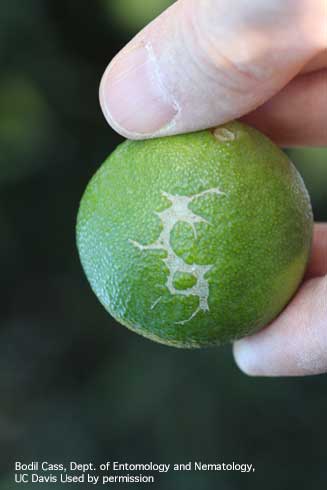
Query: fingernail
[[133, 96], [245, 357]]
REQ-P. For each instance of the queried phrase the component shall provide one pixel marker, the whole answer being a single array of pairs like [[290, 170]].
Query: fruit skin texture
[[198, 239]]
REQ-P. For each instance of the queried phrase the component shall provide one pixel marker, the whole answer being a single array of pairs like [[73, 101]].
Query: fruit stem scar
[[224, 134], [179, 211]]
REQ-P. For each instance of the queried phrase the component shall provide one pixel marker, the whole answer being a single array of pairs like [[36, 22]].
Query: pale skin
[[204, 62]]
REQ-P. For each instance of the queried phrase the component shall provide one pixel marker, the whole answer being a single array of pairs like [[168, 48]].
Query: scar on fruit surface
[[179, 211]]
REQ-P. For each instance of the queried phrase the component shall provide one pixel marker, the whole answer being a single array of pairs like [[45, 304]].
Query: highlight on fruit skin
[[197, 239]]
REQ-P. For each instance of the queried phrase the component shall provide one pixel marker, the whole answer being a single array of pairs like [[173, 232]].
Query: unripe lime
[[198, 239]]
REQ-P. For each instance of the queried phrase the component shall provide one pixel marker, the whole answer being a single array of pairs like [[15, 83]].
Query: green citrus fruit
[[198, 239]]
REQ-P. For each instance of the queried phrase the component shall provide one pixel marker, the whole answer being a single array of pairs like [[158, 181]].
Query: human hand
[[205, 62]]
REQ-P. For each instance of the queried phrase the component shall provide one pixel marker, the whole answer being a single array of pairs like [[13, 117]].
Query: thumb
[[204, 62], [295, 344]]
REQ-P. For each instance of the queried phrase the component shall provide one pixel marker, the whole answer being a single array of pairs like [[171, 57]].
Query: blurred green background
[[73, 384]]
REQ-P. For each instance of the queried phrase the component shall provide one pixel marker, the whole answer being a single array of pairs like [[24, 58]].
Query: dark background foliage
[[73, 384]]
